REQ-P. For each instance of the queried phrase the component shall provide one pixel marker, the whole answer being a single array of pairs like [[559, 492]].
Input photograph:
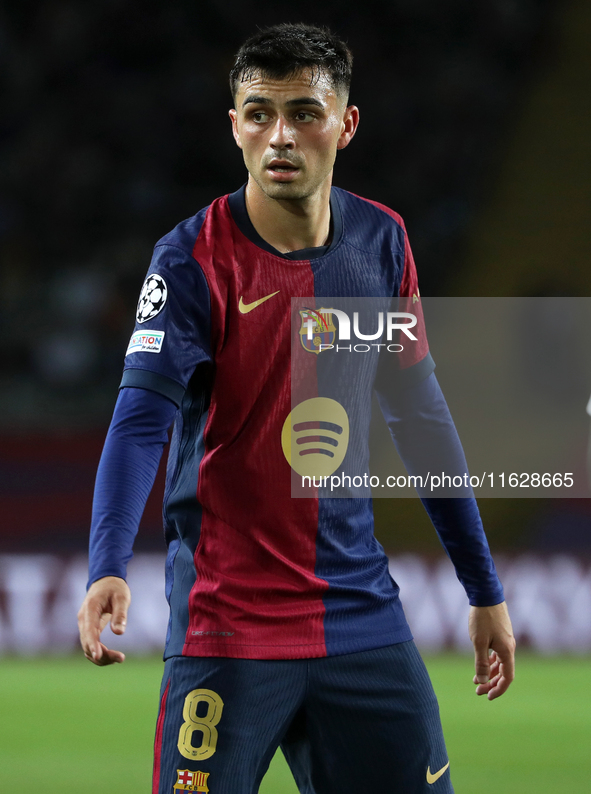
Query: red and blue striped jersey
[[251, 571]]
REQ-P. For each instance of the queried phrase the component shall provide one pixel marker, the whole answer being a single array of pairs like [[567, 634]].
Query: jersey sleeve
[[409, 300], [172, 331], [414, 362], [129, 462], [426, 439]]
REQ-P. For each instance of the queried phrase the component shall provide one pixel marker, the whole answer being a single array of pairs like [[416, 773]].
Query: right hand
[[490, 630], [106, 600]]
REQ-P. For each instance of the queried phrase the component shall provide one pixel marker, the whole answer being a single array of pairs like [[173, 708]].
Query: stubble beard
[[287, 191], [282, 190]]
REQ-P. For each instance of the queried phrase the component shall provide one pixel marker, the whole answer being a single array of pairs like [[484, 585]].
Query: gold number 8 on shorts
[[205, 724]]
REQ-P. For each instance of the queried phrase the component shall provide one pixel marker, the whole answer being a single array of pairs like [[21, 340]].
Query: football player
[[286, 628]]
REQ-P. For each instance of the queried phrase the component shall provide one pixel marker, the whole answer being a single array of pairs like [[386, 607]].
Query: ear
[[348, 126], [234, 116]]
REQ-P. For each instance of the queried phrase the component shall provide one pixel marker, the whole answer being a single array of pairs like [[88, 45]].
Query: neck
[[288, 224]]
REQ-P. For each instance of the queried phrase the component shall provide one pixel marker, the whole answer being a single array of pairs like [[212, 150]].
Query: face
[[289, 132]]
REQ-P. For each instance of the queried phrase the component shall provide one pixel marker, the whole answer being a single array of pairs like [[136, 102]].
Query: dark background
[[114, 128]]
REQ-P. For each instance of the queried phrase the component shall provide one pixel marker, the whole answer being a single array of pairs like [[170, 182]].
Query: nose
[[282, 135]]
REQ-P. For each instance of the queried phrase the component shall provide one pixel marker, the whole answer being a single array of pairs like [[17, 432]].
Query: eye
[[303, 115], [260, 117]]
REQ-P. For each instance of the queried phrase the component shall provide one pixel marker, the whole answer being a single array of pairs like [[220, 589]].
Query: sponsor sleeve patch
[[145, 342]]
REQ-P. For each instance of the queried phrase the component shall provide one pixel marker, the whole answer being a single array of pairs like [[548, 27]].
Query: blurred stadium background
[[476, 127]]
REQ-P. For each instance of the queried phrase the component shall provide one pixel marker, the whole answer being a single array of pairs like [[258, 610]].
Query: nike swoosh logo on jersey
[[432, 778], [248, 307]]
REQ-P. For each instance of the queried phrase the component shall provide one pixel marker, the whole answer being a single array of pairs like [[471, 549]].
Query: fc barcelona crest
[[317, 329], [191, 781]]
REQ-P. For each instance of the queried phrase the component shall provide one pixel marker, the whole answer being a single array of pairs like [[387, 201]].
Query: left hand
[[490, 629], [107, 601]]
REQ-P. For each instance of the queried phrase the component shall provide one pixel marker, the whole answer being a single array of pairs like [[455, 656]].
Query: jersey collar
[[237, 203]]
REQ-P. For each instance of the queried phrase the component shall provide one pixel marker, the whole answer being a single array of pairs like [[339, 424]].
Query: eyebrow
[[263, 100]]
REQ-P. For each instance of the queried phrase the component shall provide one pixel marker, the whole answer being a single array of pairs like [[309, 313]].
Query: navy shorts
[[361, 722]]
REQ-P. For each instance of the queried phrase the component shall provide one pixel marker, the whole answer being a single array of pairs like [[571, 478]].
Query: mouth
[[279, 164], [282, 170]]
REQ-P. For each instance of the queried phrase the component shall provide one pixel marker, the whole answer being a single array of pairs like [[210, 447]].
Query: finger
[[111, 657], [486, 686], [120, 604], [105, 618], [106, 656], [97, 649], [89, 619], [481, 663], [500, 687], [496, 687], [504, 679], [484, 689], [493, 671], [506, 669], [506, 656]]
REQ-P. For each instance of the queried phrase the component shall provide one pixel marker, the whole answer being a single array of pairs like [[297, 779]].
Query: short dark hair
[[284, 51]]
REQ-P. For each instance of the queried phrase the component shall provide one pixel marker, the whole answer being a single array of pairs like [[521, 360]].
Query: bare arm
[[106, 600], [490, 629]]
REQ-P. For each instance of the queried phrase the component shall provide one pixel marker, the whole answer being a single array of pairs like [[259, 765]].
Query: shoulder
[[185, 234], [374, 208], [179, 256], [174, 265], [369, 224]]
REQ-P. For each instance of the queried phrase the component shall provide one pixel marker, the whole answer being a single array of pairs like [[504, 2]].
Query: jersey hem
[[312, 651]]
